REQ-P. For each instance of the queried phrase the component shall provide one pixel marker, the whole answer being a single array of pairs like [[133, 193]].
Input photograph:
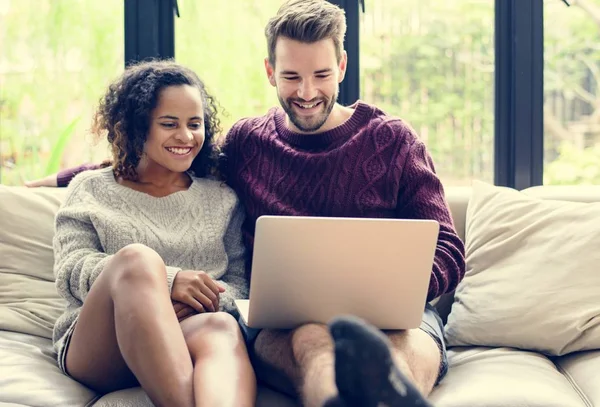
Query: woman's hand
[[183, 311], [196, 289]]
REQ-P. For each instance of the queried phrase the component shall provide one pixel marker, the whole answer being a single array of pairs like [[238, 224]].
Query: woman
[[149, 254]]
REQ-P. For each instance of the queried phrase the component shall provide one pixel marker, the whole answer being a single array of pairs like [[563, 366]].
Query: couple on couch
[[160, 212]]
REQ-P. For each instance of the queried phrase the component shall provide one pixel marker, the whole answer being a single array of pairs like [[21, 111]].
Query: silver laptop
[[311, 269]]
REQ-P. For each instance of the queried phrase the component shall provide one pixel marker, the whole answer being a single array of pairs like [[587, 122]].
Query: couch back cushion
[[532, 278], [458, 200], [29, 302], [28, 299]]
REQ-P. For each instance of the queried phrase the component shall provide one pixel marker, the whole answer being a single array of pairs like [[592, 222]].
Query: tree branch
[[554, 126], [593, 67], [585, 95], [589, 7]]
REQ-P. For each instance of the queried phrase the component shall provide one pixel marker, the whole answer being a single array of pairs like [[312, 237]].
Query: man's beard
[[308, 124]]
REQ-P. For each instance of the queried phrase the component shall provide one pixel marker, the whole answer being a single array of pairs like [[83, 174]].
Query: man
[[315, 157]]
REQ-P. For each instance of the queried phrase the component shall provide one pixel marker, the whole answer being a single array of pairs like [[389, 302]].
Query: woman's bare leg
[[223, 374], [127, 324]]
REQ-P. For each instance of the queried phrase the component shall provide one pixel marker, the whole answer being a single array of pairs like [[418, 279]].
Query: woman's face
[[176, 132]]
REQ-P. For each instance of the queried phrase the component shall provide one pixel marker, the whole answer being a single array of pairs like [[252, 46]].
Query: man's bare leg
[[372, 369], [297, 362], [306, 357]]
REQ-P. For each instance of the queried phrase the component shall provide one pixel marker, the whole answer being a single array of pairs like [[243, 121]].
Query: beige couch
[[479, 375]]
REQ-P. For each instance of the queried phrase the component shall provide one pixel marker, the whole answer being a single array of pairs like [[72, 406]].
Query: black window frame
[[519, 93], [149, 29]]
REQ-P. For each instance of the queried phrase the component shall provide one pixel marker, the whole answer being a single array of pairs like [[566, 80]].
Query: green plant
[[61, 142], [574, 166]]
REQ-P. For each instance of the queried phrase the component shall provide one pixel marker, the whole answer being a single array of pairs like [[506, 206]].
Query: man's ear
[[270, 70], [342, 66]]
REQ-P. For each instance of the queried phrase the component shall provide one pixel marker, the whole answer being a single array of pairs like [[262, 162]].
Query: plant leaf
[[59, 147]]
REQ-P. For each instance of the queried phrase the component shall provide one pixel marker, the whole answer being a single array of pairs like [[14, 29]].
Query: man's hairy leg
[[398, 369], [307, 358], [298, 362]]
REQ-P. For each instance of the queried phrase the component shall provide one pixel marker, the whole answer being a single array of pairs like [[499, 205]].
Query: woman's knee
[[207, 330], [136, 263]]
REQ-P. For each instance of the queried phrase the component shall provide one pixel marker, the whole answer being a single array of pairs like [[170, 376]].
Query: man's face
[[307, 78]]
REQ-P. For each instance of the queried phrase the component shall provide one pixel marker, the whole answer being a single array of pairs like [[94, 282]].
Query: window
[[56, 58], [571, 96], [431, 63], [225, 44]]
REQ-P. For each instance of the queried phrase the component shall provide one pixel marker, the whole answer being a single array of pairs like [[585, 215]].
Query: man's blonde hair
[[307, 21]]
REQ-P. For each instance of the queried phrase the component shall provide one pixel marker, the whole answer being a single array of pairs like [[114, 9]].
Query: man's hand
[[196, 289], [183, 311], [49, 181]]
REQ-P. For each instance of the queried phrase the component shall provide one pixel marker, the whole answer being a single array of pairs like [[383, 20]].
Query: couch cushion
[[532, 279], [137, 398], [503, 377], [583, 370], [571, 193], [31, 377], [29, 302], [458, 201]]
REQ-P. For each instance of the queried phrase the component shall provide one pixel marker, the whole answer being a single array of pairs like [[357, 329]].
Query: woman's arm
[[235, 280], [78, 255]]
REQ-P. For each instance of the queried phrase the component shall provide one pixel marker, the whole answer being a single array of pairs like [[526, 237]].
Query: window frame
[[519, 93], [149, 29]]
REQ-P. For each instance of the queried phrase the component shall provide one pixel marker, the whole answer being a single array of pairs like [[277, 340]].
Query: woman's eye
[[168, 125], [195, 126]]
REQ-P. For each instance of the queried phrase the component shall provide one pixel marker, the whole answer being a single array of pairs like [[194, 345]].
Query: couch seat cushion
[[503, 377], [31, 377], [136, 397], [583, 371]]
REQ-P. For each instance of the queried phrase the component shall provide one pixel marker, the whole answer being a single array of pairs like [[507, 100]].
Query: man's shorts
[[431, 324]]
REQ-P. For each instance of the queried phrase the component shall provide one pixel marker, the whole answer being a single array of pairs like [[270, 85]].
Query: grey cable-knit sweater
[[196, 229]]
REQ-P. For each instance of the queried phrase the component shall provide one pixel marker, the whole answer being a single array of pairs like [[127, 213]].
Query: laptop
[[311, 269]]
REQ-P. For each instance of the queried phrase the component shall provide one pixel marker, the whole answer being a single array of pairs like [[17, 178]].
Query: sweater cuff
[[171, 273]]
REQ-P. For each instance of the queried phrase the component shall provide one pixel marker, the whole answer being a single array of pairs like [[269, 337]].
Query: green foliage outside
[[430, 62], [55, 60], [225, 44], [571, 85]]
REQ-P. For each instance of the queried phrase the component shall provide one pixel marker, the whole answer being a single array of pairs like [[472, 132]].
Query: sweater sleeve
[[235, 279], [229, 152], [64, 177], [422, 197], [78, 255]]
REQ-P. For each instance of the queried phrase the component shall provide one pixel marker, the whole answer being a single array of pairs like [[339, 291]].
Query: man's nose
[[307, 91]]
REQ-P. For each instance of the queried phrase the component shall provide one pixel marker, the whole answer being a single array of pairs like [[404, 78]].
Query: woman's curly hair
[[124, 115]]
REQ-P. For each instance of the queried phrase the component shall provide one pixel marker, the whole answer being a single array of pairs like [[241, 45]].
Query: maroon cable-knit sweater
[[370, 166]]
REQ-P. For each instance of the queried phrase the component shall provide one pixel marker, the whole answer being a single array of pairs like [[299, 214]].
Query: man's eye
[[322, 76], [290, 78]]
